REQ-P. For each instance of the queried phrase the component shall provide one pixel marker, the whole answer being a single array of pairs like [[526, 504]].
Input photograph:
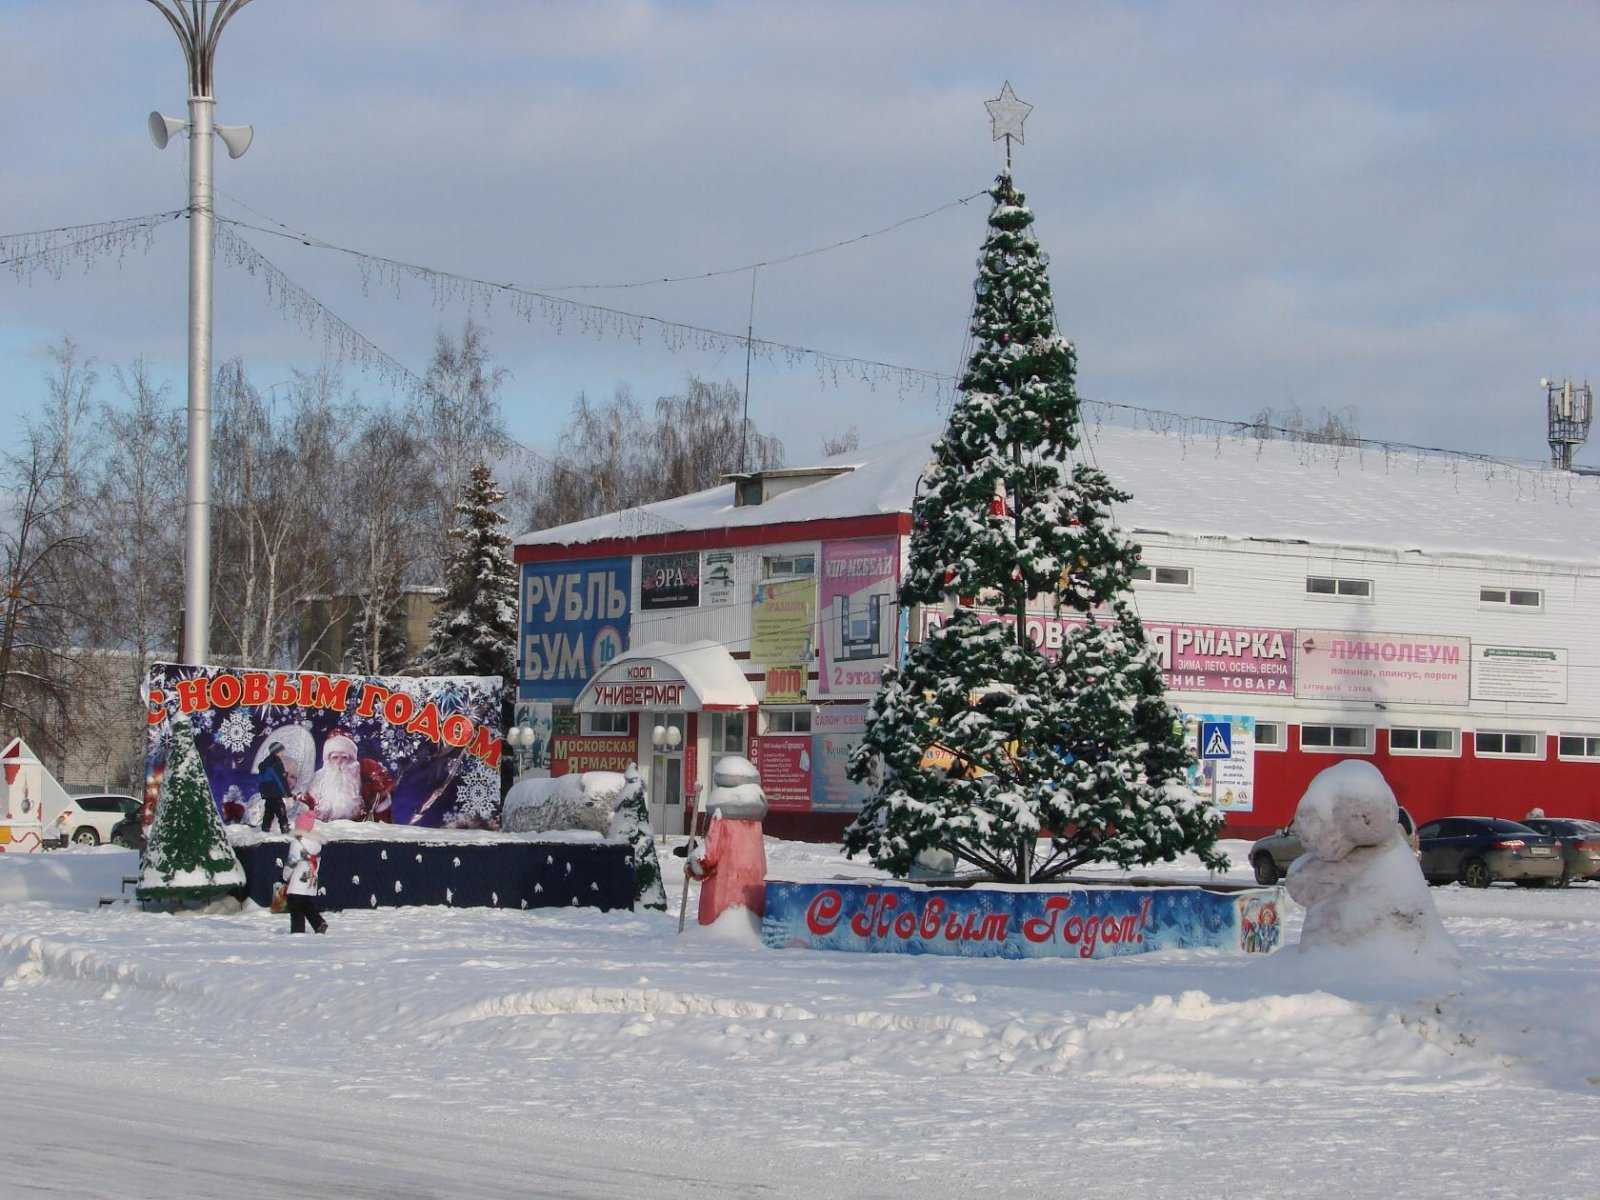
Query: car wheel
[[85, 837], [1266, 870], [1475, 874]]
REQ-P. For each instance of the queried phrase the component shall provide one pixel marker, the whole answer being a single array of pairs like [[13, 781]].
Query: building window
[[1422, 741], [788, 566], [1336, 739], [727, 734], [1578, 745], [1502, 744], [605, 722], [789, 720], [1499, 597], [1173, 577], [1269, 735], [1343, 589]]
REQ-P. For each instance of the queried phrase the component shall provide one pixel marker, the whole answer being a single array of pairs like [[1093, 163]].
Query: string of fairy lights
[[53, 251]]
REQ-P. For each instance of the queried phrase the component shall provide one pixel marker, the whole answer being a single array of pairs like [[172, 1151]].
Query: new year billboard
[[984, 922], [410, 751]]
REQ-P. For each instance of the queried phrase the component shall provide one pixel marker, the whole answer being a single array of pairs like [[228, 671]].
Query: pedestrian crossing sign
[[1216, 740]]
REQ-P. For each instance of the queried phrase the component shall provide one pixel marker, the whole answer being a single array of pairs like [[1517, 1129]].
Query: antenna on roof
[[1571, 408]]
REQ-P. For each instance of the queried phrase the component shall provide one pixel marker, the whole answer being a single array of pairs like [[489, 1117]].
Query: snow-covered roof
[[1212, 486], [710, 674]]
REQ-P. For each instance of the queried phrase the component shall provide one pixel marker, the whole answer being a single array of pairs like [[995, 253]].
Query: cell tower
[[1571, 408]]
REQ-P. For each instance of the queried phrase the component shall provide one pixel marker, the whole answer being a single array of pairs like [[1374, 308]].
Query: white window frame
[[1418, 751], [770, 562], [1282, 743], [717, 723], [1370, 738], [592, 722], [1585, 757], [1504, 604], [1152, 571], [768, 720], [1537, 754], [1338, 597]]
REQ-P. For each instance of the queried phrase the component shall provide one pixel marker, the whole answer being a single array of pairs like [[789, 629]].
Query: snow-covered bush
[[578, 801]]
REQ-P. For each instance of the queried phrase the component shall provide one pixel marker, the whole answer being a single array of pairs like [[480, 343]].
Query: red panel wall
[[1429, 786]]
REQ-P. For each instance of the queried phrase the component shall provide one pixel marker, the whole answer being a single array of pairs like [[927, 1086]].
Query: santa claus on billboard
[[335, 790]]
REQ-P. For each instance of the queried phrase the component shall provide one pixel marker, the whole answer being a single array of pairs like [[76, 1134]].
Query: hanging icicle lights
[[53, 250]]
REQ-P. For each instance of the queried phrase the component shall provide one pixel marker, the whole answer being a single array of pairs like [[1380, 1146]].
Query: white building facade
[[1435, 615]]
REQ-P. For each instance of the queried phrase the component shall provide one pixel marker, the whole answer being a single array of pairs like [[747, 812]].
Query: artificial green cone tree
[[187, 855], [980, 744]]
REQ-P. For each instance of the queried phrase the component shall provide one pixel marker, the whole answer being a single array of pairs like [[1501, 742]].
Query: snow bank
[[1367, 904], [369, 831], [66, 878]]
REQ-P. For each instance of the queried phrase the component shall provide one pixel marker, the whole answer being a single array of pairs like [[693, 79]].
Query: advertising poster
[[785, 766], [785, 685], [781, 621], [858, 617], [576, 753], [574, 621], [1525, 674], [403, 750], [539, 716], [1235, 777], [836, 732], [1027, 923], [720, 575], [1406, 668], [1194, 658], [669, 580]]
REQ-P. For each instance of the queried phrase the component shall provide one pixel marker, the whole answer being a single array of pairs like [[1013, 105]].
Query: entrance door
[[666, 770]]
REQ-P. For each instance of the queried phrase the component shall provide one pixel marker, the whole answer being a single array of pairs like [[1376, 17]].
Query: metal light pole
[[199, 25]]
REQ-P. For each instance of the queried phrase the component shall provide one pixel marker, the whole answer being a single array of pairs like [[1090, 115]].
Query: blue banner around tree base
[[369, 873], [1022, 922]]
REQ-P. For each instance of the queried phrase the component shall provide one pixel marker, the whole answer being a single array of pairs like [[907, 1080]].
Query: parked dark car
[[1580, 845], [1479, 851], [129, 832], [1270, 856]]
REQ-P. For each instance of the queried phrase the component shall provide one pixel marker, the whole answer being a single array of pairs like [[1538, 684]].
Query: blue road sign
[[1216, 740]]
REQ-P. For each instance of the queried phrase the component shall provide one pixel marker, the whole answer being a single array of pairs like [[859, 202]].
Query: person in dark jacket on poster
[[273, 779]]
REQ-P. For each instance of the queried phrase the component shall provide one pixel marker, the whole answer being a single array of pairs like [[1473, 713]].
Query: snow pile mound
[[584, 801], [1367, 905]]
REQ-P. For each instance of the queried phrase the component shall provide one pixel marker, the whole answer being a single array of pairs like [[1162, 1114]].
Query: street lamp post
[[199, 25]]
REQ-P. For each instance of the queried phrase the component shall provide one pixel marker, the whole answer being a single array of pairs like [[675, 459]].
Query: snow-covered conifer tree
[[475, 630], [631, 823], [980, 744], [187, 855]]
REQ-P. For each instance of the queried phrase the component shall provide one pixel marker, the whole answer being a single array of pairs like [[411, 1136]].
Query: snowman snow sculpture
[[732, 861], [1359, 880]]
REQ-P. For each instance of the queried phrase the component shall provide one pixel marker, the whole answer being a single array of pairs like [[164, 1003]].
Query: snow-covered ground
[[429, 1052]]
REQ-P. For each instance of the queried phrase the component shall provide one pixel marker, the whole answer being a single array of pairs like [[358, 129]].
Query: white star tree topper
[[1006, 115]]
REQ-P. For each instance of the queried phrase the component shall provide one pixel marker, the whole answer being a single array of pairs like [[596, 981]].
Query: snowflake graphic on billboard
[[236, 732]]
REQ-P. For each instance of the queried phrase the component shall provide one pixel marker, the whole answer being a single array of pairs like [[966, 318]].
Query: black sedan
[[1479, 851], [1580, 844]]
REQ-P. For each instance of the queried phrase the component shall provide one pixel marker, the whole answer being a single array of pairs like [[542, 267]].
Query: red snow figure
[[732, 860], [377, 792]]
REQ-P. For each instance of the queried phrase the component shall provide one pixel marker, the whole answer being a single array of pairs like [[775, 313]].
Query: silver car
[[1270, 856]]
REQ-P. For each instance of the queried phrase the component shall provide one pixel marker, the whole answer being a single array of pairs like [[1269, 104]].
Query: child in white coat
[[305, 854]]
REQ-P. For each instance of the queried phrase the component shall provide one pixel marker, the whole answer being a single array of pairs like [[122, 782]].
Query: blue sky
[[1385, 206]]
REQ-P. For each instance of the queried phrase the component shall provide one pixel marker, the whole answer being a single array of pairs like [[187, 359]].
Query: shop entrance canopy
[[664, 675]]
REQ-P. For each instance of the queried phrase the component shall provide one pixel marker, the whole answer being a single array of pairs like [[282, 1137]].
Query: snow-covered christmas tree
[[187, 855], [981, 745], [475, 630]]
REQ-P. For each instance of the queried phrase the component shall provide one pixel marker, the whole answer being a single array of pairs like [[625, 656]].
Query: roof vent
[[757, 487]]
